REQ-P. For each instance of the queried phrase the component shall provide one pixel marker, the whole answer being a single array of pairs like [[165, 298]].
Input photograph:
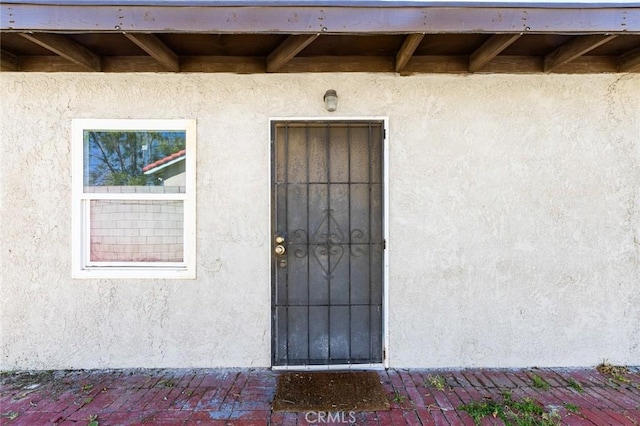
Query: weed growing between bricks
[[522, 412]]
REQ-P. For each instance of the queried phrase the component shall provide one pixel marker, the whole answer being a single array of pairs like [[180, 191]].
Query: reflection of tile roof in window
[[163, 162]]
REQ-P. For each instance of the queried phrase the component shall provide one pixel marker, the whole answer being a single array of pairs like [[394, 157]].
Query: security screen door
[[327, 246]]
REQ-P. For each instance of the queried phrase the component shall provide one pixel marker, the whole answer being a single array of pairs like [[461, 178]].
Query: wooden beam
[[574, 49], [156, 49], [66, 48], [589, 64], [9, 61], [629, 62], [255, 65], [231, 64], [510, 65], [436, 64], [340, 64], [490, 49], [287, 50], [411, 43]]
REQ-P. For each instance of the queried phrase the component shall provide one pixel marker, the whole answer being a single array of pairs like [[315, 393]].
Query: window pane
[[136, 231], [134, 161]]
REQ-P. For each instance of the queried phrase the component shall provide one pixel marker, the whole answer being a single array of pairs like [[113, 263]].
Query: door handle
[[280, 249]]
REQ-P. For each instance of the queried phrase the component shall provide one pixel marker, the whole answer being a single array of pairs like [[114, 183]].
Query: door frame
[[385, 232]]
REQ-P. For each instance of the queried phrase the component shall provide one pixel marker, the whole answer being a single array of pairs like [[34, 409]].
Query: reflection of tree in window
[[116, 158]]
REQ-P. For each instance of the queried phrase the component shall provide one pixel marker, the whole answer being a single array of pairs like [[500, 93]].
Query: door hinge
[[384, 354], [384, 244]]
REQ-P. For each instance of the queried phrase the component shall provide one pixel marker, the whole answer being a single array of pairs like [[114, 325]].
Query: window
[[134, 198]]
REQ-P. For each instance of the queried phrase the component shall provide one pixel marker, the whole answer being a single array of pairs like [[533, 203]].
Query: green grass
[[572, 407], [575, 386], [165, 383], [524, 412], [398, 398], [437, 382], [538, 382], [93, 420]]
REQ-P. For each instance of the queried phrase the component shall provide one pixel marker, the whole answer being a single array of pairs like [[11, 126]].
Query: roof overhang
[[163, 163], [319, 36]]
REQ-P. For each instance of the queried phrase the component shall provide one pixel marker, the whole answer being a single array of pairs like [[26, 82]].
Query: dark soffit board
[[450, 44], [15, 43], [619, 45], [222, 44]]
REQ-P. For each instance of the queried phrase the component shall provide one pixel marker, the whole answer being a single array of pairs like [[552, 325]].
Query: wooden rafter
[[156, 49], [574, 49], [630, 61], [287, 50], [66, 48], [490, 49], [9, 61], [411, 43]]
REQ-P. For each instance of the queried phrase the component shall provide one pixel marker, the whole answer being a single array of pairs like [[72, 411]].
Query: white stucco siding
[[524, 224], [514, 219]]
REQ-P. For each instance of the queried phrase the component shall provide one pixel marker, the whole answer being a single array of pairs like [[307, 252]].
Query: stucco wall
[[514, 219]]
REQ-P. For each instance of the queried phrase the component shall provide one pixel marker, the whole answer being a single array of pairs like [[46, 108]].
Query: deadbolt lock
[[280, 250], [279, 239]]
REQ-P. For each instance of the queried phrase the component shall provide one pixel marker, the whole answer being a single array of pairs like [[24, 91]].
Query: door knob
[[280, 250]]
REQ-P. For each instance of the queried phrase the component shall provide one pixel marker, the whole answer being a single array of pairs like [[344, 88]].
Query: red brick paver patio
[[243, 397]]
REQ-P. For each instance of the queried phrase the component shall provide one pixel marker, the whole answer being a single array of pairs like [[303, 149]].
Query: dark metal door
[[327, 189]]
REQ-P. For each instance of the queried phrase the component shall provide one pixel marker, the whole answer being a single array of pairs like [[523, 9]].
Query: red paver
[[548, 376], [456, 401], [598, 416], [470, 376], [514, 378], [460, 379], [415, 397], [425, 417], [243, 397]]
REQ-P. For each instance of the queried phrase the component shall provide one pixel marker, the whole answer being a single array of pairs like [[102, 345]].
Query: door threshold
[[333, 367]]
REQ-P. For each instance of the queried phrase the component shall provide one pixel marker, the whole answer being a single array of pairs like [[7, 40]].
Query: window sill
[[135, 273]]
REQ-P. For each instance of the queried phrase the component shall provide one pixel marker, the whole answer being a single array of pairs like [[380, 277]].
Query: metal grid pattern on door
[[327, 189]]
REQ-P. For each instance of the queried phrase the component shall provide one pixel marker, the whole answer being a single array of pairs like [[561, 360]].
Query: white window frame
[[82, 266]]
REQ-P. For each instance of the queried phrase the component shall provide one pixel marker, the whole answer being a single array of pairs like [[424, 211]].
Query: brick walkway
[[243, 397]]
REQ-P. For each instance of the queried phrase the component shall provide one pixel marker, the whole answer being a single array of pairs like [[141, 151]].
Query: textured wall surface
[[514, 219]]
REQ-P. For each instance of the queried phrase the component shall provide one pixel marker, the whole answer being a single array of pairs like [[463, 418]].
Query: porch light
[[331, 100]]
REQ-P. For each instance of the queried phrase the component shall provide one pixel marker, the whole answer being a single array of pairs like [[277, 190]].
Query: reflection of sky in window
[[116, 158]]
